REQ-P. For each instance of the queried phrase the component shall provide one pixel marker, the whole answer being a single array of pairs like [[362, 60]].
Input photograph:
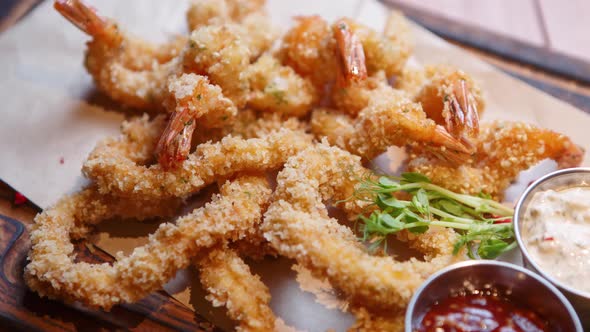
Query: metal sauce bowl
[[567, 178], [515, 282]]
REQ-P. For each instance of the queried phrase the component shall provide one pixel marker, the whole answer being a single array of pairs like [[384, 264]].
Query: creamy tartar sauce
[[556, 231]]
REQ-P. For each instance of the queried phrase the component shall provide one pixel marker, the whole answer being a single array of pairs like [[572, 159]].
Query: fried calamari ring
[[53, 272], [298, 226], [229, 282], [117, 164]]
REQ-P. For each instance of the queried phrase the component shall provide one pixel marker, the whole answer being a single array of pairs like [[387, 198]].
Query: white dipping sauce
[[556, 231]]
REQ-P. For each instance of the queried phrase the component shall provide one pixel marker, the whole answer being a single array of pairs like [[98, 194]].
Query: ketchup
[[480, 313]]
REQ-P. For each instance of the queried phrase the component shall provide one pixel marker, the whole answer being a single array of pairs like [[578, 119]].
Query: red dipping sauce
[[480, 313]]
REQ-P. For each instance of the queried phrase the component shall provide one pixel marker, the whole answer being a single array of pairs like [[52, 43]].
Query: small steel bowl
[[514, 281], [561, 179]]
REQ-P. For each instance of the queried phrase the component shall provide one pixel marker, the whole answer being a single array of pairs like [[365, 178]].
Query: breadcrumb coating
[[298, 226], [366, 321], [129, 70], [503, 150], [308, 48], [117, 166], [53, 272], [230, 283], [387, 51], [279, 89], [210, 12], [193, 103], [355, 96], [389, 120], [449, 96]]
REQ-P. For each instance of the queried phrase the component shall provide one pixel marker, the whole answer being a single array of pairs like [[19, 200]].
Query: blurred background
[[542, 42], [557, 25]]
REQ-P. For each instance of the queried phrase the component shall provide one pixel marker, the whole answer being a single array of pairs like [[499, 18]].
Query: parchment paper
[[51, 120]]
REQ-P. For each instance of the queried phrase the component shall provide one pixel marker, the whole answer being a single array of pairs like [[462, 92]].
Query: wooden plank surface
[[516, 19], [568, 26]]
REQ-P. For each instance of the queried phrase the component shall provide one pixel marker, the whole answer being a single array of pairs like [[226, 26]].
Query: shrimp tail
[[461, 116], [81, 15], [572, 157], [442, 137], [351, 53], [175, 142]]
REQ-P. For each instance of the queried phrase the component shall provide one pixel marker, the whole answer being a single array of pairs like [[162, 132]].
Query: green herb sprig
[[413, 203]]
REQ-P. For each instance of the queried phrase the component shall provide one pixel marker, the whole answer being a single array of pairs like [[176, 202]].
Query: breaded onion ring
[[52, 271], [229, 282], [298, 226], [116, 163]]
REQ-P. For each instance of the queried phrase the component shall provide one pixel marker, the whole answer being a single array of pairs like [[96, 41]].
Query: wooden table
[[21, 309]]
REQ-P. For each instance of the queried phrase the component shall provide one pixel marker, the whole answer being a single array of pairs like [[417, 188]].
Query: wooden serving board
[[23, 310]]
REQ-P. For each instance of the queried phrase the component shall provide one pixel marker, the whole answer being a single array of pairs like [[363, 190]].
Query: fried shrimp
[[127, 69], [389, 119], [354, 97], [314, 49], [336, 127], [193, 102], [52, 271], [221, 53], [503, 150], [229, 282], [352, 55], [448, 96], [308, 48], [118, 165], [279, 89], [387, 51], [212, 12], [257, 29], [298, 226]]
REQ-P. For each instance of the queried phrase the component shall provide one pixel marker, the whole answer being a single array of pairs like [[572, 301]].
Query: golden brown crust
[[116, 165], [298, 226], [53, 272], [230, 283]]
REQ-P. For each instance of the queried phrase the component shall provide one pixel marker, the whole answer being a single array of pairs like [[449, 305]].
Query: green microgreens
[[411, 202]]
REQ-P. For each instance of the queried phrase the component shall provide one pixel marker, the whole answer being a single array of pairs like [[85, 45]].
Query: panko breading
[[230, 283], [52, 271], [210, 12], [242, 108], [192, 102], [449, 96], [279, 89], [389, 120], [117, 164], [503, 150], [298, 226], [129, 70]]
